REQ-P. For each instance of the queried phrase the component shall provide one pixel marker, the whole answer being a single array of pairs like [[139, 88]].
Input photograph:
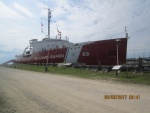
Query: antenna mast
[[49, 20]]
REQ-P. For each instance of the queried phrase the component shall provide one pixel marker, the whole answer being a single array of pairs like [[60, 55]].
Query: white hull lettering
[[57, 56], [51, 57]]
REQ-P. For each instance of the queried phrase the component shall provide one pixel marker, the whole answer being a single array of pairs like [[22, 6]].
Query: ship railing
[[60, 38]]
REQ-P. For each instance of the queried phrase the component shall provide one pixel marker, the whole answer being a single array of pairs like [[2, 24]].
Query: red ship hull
[[94, 53], [105, 52]]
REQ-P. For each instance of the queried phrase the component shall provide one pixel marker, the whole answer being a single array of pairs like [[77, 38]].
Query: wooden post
[[116, 73]]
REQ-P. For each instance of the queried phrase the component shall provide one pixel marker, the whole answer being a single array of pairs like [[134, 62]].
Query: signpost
[[116, 68]]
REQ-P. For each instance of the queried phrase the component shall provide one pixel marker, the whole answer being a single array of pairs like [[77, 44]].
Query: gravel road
[[33, 92]]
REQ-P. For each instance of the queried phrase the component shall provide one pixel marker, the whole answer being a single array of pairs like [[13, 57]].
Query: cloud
[[23, 10], [8, 13]]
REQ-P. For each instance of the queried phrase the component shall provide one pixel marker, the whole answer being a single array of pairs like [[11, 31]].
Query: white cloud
[[41, 7], [8, 13], [23, 10]]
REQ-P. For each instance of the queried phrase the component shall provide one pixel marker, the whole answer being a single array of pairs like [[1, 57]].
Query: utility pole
[[117, 43], [144, 54]]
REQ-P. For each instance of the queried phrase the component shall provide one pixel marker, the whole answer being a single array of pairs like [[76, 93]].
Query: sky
[[80, 20]]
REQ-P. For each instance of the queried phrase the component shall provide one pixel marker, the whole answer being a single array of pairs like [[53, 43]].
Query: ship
[[60, 50]]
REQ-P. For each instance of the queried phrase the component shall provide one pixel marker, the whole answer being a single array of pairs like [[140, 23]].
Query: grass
[[127, 77]]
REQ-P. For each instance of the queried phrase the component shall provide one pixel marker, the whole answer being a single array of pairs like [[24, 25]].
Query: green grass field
[[127, 77]]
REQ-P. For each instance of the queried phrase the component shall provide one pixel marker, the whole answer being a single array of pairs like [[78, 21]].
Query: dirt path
[[32, 92]]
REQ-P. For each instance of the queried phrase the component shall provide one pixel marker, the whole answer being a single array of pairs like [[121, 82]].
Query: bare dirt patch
[[32, 92]]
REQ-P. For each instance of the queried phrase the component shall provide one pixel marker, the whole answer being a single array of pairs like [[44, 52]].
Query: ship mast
[[49, 20]]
